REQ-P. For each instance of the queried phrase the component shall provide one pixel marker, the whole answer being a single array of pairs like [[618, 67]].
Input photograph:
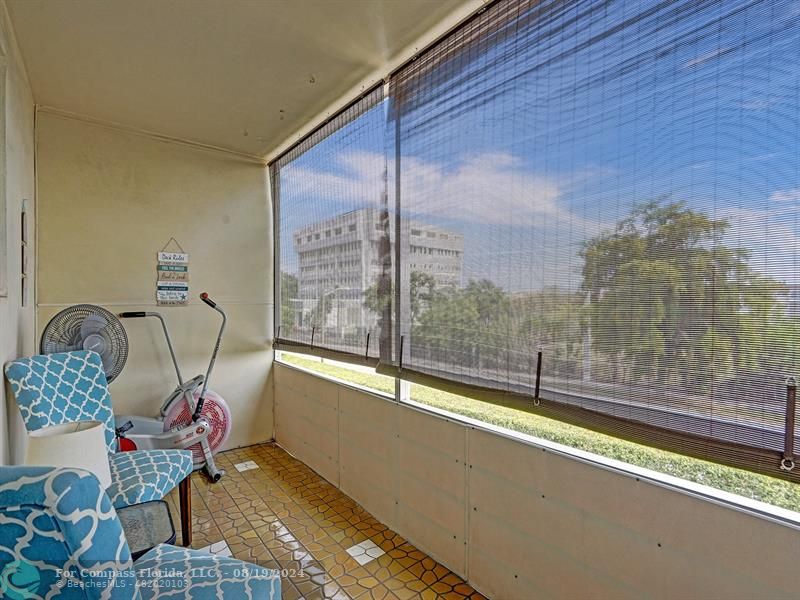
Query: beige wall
[[16, 322], [108, 202], [521, 521]]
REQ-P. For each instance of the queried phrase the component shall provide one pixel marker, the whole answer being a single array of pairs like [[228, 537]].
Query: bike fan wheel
[[215, 411]]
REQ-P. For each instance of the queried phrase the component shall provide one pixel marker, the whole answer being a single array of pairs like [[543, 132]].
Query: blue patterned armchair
[[71, 386], [60, 537]]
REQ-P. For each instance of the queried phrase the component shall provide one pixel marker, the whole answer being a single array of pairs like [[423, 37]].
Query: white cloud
[[757, 103], [498, 189], [704, 58], [770, 235], [487, 188], [790, 195], [360, 182]]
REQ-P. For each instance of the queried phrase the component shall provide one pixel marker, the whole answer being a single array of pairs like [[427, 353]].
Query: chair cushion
[[197, 575], [59, 537], [62, 388], [144, 475]]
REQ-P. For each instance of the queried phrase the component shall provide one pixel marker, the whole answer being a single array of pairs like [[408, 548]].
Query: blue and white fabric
[[71, 386], [62, 388], [197, 575], [60, 537], [143, 475]]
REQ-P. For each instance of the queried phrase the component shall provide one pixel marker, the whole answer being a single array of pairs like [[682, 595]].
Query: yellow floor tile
[[284, 516]]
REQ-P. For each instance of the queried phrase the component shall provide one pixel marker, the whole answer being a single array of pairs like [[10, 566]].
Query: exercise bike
[[192, 416]]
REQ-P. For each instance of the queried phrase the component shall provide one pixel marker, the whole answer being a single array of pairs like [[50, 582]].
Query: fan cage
[[63, 333]]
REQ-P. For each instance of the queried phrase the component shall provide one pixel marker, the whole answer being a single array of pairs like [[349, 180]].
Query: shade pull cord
[[787, 463]]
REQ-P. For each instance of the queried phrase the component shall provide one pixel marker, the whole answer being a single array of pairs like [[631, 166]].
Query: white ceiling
[[235, 74]]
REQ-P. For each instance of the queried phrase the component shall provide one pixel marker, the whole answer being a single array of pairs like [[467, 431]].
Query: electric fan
[[88, 327]]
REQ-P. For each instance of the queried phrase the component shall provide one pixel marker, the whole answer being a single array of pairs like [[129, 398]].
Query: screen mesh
[[332, 228], [614, 184]]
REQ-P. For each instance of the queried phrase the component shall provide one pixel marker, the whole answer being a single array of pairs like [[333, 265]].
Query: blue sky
[[551, 134]]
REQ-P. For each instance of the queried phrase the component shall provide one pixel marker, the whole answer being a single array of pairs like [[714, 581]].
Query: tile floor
[[282, 515]]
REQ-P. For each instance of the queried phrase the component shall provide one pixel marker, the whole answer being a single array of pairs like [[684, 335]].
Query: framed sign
[[172, 277]]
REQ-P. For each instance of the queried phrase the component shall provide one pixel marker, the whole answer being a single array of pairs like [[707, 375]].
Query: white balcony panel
[[440, 483], [309, 421]]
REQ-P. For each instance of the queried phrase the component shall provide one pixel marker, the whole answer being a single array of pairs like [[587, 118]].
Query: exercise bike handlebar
[[204, 297], [199, 407], [141, 313]]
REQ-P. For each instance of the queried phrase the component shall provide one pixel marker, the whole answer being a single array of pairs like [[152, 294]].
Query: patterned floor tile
[[365, 552], [246, 466], [217, 549], [272, 510]]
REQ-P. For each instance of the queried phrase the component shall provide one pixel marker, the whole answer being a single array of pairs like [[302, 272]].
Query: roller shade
[[332, 235], [615, 185]]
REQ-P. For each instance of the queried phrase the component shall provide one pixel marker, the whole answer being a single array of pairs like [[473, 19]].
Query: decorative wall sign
[[172, 282], [168, 272]]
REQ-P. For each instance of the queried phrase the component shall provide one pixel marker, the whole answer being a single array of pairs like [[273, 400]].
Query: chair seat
[[144, 475], [70, 386], [163, 572]]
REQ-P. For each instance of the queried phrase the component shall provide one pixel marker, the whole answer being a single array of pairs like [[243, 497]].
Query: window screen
[[332, 226], [616, 185]]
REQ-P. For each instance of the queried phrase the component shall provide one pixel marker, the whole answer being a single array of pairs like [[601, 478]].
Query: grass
[[737, 481]]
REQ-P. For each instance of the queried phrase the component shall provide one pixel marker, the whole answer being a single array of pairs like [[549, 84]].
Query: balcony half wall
[[520, 520]]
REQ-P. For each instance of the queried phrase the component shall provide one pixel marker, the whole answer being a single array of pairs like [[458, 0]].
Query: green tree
[[289, 289], [323, 308], [422, 287], [422, 290], [668, 301], [470, 326], [549, 320]]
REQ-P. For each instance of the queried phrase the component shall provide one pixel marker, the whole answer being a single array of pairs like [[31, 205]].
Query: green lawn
[[751, 485]]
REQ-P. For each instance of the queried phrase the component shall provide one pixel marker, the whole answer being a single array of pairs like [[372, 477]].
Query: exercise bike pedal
[[123, 429], [218, 474]]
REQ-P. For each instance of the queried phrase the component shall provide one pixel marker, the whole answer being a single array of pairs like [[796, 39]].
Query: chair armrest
[[61, 519]]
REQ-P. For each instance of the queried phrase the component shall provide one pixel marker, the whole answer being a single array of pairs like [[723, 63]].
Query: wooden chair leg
[[185, 500]]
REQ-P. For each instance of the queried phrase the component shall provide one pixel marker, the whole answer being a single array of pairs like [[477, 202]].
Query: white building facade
[[339, 259]]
